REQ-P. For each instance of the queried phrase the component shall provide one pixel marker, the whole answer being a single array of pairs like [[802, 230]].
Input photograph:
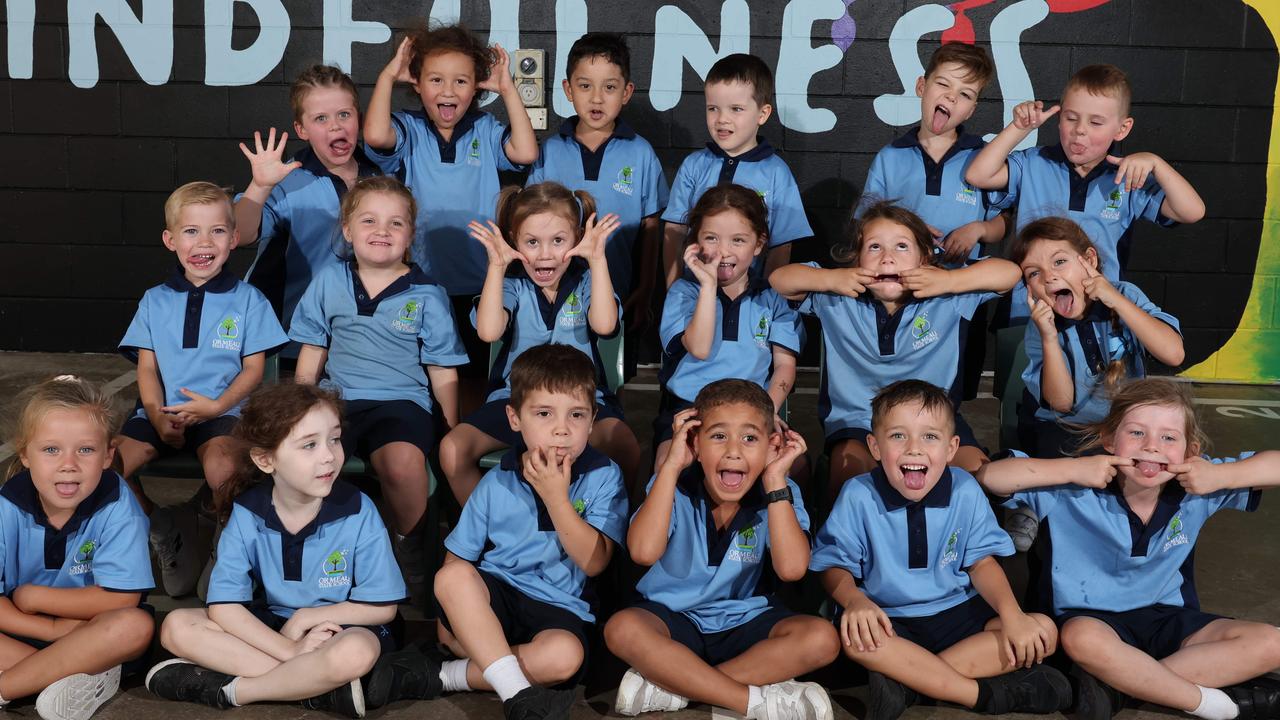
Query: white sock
[[229, 691], [755, 701], [1215, 705], [453, 673], [506, 677]]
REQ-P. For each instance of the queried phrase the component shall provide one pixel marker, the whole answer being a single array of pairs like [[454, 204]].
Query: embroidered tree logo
[[475, 147], [85, 552], [1175, 526], [228, 329], [580, 507], [572, 306], [747, 539], [1114, 199], [625, 176], [920, 325], [762, 327], [951, 542], [335, 564], [409, 311]]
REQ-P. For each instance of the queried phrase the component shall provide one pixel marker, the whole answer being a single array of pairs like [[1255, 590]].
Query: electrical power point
[[538, 116]]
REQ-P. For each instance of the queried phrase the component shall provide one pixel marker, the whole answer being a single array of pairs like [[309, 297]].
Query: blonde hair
[[316, 77], [365, 186], [199, 192], [1138, 393], [65, 392]]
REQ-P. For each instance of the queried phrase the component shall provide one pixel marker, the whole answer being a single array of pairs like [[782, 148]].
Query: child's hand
[[1025, 641], [864, 625], [1132, 170], [499, 72], [935, 233], [1096, 286], [680, 453], [196, 410], [315, 637], [959, 243], [1199, 476], [171, 431], [704, 272], [775, 473], [266, 161], [850, 282], [547, 477], [500, 253], [1042, 315], [398, 68], [927, 281], [1031, 114], [595, 236], [1096, 471]]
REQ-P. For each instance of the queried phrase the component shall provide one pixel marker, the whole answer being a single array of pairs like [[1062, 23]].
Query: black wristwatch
[[778, 496]]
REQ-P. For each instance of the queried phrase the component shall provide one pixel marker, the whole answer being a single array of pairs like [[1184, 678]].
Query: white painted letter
[[677, 38], [1006, 34], [504, 29], [571, 24], [799, 61], [341, 31], [224, 65], [904, 109], [21, 19], [147, 40]]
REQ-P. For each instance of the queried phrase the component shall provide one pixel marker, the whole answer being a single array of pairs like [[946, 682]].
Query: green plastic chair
[[1011, 360]]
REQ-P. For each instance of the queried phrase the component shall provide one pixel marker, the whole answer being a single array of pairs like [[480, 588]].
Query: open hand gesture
[[705, 272], [1031, 114], [864, 625], [499, 72], [399, 67], [1132, 170], [680, 454], [266, 161], [793, 446], [595, 236], [500, 253], [959, 242]]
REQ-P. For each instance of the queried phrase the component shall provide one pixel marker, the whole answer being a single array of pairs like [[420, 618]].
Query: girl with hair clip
[[559, 291]]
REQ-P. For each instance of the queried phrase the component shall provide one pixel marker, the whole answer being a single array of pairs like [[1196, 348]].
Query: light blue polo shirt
[[453, 183], [200, 335], [342, 555], [533, 320], [1103, 557], [299, 233], [746, 330], [506, 531], [936, 191], [713, 577], [623, 175], [1090, 344], [103, 544], [759, 169], [911, 558], [378, 345], [867, 349]]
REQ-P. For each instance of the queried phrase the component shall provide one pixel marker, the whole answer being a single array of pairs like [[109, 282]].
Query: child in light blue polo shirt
[[739, 97], [724, 323], [304, 591], [200, 341], [290, 209], [599, 152], [1122, 557], [908, 553], [888, 315], [73, 556], [720, 508]]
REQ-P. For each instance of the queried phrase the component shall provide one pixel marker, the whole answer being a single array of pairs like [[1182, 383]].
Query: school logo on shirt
[[949, 553], [228, 333], [762, 331], [405, 319], [1174, 534], [1111, 211], [923, 332], [746, 548], [625, 177], [571, 316], [967, 195], [764, 195], [83, 558], [333, 571], [473, 158], [580, 507]]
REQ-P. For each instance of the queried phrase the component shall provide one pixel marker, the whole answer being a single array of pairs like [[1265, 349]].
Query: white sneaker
[[1022, 525], [791, 700], [76, 697], [637, 695], [175, 539]]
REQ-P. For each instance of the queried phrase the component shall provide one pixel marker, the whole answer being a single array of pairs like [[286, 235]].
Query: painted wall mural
[[845, 70]]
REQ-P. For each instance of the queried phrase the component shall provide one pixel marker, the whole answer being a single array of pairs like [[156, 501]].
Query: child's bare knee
[[129, 629], [821, 643], [622, 630], [561, 657], [450, 578], [1080, 637], [351, 655], [178, 628]]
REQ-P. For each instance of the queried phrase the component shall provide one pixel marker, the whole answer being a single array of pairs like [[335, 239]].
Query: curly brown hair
[[439, 39]]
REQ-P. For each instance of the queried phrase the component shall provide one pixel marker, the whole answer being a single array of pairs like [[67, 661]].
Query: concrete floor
[[1237, 572]]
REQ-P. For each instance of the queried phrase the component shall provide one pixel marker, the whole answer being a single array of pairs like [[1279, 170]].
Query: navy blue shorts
[[1157, 630], [967, 438], [388, 635], [372, 424], [141, 429], [717, 647], [523, 617], [477, 349], [668, 406], [940, 631], [491, 418]]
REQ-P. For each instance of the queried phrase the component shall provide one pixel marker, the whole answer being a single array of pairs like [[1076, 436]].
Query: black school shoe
[[346, 700], [887, 698], [1095, 700], [1039, 689], [539, 703], [1258, 699], [185, 681], [409, 674]]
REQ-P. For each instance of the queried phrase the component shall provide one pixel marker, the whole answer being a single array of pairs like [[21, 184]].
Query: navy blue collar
[[761, 151], [964, 141], [1167, 505], [590, 460], [366, 306], [21, 491], [343, 501], [568, 285], [449, 148], [1057, 154], [1097, 312], [692, 483], [224, 281], [312, 164], [621, 129], [938, 496]]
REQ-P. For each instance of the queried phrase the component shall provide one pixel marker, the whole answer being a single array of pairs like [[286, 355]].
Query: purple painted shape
[[844, 30]]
